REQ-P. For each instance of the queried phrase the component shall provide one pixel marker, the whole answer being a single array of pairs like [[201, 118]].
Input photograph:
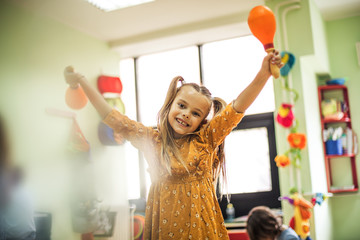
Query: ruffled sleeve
[[221, 125], [139, 135]]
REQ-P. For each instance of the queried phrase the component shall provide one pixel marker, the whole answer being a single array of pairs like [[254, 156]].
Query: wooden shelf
[[343, 190], [332, 87], [354, 187], [338, 156], [343, 120]]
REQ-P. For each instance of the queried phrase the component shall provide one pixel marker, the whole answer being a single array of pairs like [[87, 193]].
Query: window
[[155, 72], [127, 76], [247, 154], [233, 62], [251, 170]]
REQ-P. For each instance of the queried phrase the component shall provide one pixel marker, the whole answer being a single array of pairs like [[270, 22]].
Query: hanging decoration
[[297, 140], [77, 141], [285, 116], [292, 157], [282, 161], [111, 89], [288, 59]]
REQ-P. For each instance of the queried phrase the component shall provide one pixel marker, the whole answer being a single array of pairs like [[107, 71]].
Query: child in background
[[16, 209], [262, 224], [185, 153]]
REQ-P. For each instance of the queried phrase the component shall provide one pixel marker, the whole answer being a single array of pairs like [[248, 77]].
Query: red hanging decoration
[[285, 116], [107, 84]]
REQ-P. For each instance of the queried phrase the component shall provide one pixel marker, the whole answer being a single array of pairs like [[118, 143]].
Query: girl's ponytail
[[170, 96], [218, 105], [167, 138]]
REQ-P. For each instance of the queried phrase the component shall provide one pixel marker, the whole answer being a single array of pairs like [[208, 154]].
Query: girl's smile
[[182, 122], [187, 111]]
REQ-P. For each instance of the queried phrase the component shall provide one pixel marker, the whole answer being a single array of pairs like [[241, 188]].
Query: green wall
[[319, 47], [34, 50], [300, 31], [342, 35]]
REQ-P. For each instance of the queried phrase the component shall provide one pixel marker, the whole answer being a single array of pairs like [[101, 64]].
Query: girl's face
[[187, 111]]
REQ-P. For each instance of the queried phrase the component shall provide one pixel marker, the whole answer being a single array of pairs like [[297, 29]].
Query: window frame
[[244, 202]]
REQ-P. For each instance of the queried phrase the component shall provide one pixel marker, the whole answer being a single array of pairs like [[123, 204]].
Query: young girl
[[262, 224], [185, 153]]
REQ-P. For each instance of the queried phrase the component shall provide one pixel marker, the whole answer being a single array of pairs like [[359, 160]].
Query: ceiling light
[[111, 5]]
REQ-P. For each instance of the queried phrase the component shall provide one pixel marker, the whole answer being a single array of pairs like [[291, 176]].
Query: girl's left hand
[[271, 58]]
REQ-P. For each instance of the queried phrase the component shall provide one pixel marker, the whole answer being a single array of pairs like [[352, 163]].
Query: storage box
[[334, 147]]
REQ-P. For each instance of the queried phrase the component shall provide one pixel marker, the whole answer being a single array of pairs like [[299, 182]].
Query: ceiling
[[163, 19]]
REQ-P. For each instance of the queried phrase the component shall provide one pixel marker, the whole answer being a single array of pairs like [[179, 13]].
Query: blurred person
[[263, 224], [16, 210]]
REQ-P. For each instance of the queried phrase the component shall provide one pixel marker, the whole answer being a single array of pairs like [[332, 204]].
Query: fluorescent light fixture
[[111, 5]]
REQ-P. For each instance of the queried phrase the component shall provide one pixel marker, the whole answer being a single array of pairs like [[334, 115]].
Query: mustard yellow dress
[[182, 205]]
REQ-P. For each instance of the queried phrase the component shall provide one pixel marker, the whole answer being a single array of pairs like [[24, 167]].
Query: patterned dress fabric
[[183, 204]]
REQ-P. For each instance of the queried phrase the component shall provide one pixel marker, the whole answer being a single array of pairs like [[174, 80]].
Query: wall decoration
[[111, 89]]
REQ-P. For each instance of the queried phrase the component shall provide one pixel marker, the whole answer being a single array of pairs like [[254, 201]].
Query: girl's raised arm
[[249, 94], [97, 100]]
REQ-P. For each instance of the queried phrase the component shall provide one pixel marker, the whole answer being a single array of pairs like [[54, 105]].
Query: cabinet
[[337, 143]]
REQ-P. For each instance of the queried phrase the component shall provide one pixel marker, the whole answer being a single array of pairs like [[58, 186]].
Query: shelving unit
[[340, 93]]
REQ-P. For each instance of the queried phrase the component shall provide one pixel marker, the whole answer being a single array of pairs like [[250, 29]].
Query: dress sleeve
[[222, 124], [139, 135]]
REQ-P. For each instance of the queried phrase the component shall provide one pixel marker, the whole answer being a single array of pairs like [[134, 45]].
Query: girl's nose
[[185, 115]]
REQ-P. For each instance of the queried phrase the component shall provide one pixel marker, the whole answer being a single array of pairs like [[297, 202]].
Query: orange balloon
[[75, 98], [262, 24]]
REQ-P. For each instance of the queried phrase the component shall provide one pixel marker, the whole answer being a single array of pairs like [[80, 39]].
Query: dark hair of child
[[262, 223]]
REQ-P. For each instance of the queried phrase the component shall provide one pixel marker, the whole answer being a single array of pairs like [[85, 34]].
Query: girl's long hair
[[166, 132]]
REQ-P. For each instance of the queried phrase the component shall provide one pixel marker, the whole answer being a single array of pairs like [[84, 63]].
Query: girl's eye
[[196, 114], [181, 105]]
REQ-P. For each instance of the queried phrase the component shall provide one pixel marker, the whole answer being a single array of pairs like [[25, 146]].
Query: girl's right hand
[[71, 77]]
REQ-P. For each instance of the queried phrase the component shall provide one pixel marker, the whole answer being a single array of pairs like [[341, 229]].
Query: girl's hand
[[271, 58], [71, 77]]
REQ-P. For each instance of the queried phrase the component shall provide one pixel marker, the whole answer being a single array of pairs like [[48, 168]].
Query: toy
[[319, 199], [262, 24], [75, 97], [302, 214], [139, 223]]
